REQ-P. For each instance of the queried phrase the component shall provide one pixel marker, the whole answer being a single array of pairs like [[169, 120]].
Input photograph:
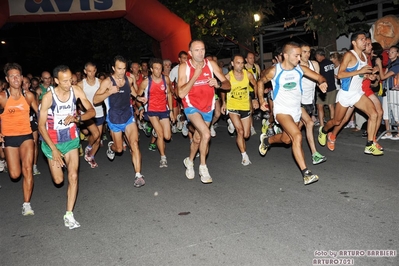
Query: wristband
[[141, 108]]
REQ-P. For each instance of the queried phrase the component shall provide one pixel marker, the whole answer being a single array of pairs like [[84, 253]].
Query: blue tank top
[[119, 107]]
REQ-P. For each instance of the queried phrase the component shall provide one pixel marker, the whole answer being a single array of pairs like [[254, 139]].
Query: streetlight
[[257, 19], [3, 42]]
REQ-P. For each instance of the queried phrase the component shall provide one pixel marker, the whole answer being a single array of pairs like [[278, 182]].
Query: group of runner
[[155, 95]]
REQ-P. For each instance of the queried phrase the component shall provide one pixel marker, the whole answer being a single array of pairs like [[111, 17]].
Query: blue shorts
[[99, 120], [120, 127], [161, 115], [206, 116]]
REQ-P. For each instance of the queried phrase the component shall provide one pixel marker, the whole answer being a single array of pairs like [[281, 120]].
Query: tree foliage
[[233, 20], [326, 17]]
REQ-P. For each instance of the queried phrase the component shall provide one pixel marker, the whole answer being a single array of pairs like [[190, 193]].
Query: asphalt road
[[261, 214]]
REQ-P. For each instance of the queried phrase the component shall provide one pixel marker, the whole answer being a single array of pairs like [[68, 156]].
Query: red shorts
[[367, 91]]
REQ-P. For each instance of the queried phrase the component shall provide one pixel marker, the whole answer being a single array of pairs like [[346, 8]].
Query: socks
[[304, 171]]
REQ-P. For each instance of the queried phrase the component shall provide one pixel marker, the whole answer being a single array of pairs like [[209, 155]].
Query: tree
[[330, 19], [217, 21]]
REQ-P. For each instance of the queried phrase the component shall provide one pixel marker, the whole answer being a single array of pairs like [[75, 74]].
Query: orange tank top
[[15, 119]]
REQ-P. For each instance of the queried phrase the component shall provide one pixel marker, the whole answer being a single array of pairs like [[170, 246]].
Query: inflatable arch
[[150, 16]]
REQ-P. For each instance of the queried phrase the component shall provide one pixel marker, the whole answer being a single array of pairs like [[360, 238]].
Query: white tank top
[[90, 91], [354, 83], [287, 87], [308, 87]]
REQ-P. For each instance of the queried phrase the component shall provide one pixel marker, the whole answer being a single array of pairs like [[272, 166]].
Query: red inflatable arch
[[150, 16]]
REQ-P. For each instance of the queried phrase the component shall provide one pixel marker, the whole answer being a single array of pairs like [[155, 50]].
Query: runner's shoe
[[184, 130], [309, 178], [2, 165], [147, 129], [70, 222], [331, 141], [213, 132], [263, 146], [373, 150], [110, 153], [245, 160], [152, 147], [204, 174], [265, 126], [318, 158], [139, 181], [277, 129], [230, 126], [92, 162], [190, 174], [179, 124], [87, 156], [27, 209], [163, 163], [322, 138], [154, 133], [35, 170]]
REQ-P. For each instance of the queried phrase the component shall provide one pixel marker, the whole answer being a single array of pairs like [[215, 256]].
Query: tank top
[[254, 72], [287, 88], [56, 114], [90, 91], [44, 90], [201, 96], [119, 107], [15, 120], [238, 97], [308, 87], [157, 96], [354, 83]]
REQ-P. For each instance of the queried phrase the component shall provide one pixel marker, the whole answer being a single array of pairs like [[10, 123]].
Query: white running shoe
[[204, 174], [179, 123], [110, 153], [190, 174], [27, 209], [213, 132], [70, 222], [174, 129], [154, 133], [163, 163], [184, 130], [230, 126], [245, 160], [2, 165]]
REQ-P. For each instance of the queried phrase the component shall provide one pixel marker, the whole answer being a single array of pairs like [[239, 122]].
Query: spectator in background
[[327, 71], [390, 77]]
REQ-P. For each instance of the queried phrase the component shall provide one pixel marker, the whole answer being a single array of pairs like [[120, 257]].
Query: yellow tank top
[[254, 72], [238, 97]]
